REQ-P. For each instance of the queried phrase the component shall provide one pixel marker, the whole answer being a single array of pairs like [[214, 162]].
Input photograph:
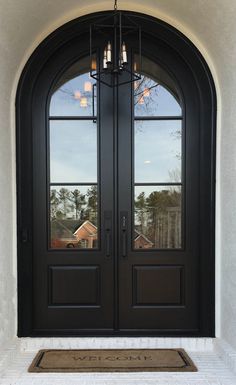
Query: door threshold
[[80, 333], [101, 342]]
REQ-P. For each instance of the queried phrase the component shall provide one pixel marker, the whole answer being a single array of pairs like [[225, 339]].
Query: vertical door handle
[[123, 223], [124, 243], [108, 232], [108, 246]]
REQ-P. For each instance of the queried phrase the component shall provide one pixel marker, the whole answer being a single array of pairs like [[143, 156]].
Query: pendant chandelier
[[114, 29]]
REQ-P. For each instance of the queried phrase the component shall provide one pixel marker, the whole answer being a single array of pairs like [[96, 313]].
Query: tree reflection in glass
[[74, 217], [157, 217], [74, 95]]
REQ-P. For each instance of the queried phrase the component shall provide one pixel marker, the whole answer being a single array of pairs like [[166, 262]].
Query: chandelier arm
[[114, 29]]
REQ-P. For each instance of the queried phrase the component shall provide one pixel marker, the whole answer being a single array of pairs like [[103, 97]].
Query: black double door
[[115, 200], [139, 272]]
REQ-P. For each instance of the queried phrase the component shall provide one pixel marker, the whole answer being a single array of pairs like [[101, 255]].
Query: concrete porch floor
[[207, 354]]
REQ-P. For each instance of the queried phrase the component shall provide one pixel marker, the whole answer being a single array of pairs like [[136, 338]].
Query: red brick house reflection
[[86, 236], [67, 234], [141, 241]]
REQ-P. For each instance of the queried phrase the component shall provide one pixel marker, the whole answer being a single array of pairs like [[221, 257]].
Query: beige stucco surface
[[211, 25]]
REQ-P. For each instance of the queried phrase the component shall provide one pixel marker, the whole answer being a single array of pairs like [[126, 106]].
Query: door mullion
[[124, 197], [116, 208]]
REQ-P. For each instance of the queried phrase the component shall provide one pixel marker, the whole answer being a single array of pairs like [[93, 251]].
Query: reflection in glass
[[157, 217], [74, 217], [152, 99], [73, 151], [155, 94], [74, 95], [157, 151]]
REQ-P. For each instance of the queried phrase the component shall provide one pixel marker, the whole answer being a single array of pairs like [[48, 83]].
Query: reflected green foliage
[[79, 202], [70, 209], [92, 205], [158, 218]]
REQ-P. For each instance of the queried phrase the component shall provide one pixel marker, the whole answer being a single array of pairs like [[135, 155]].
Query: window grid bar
[[158, 118], [72, 117], [159, 184], [73, 184], [91, 117]]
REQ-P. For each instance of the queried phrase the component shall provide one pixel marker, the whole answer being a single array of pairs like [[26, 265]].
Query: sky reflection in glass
[[73, 151], [152, 99], [67, 99], [158, 151]]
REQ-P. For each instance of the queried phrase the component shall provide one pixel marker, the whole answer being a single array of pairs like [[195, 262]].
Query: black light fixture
[[114, 28]]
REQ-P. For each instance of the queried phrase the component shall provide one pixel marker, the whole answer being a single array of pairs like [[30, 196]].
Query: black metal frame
[[152, 29]]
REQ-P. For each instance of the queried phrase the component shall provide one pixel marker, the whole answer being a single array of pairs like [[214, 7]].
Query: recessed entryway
[[116, 190]]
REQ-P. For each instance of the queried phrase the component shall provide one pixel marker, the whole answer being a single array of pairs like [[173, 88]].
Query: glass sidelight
[[157, 143], [73, 161]]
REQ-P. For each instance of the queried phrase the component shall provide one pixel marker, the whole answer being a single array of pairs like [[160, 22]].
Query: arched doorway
[[116, 190]]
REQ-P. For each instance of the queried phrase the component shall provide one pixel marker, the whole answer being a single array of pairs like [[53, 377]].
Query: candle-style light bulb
[[109, 52], [105, 59], [93, 64], [124, 53]]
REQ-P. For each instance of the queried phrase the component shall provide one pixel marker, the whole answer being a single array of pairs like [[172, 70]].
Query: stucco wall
[[210, 24]]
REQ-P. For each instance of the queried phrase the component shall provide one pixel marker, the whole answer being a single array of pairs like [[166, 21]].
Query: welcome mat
[[111, 360]]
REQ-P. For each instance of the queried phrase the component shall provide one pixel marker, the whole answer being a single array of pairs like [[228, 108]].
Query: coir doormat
[[110, 360]]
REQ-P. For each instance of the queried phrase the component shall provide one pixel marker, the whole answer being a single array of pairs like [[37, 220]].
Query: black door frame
[[154, 29]]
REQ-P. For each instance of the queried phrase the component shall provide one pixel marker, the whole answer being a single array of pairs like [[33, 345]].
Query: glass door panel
[[155, 94], [75, 93], [74, 217], [158, 147], [157, 217], [73, 151], [73, 161]]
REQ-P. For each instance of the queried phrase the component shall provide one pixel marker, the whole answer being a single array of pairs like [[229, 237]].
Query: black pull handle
[[124, 243], [108, 251], [108, 232], [124, 234]]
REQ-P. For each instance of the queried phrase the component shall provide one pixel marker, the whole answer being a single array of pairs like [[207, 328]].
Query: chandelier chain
[[115, 5]]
